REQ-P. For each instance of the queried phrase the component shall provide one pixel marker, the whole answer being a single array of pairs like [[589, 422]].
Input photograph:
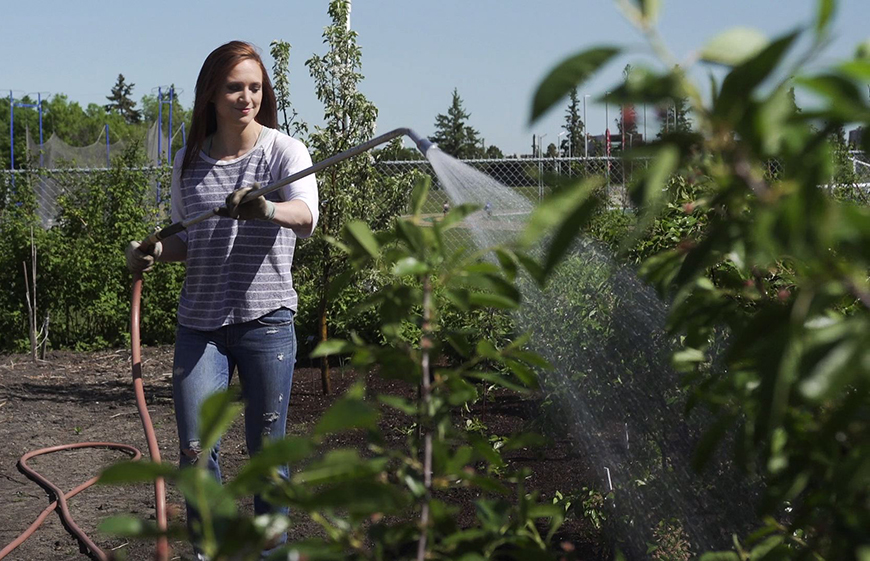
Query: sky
[[414, 53]]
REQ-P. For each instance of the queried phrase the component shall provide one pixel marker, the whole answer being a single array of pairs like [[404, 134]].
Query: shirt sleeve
[[176, 203], [290, 156]]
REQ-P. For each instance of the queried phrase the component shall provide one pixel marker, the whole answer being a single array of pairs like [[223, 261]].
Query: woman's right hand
[[139, 261]]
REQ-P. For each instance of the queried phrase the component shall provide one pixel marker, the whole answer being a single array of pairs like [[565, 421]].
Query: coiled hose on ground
[[162, 550]]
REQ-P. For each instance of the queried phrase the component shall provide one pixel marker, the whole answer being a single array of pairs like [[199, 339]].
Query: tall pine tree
[[574, 126], [453, 135], [122, 103], [674, 116]]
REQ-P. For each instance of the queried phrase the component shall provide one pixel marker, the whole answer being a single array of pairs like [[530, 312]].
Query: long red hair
[[211, 77]]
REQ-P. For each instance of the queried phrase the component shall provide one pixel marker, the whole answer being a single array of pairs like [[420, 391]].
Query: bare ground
[[88, 397]]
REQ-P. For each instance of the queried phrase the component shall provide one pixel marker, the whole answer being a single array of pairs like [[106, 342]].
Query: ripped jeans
[[264, 351]]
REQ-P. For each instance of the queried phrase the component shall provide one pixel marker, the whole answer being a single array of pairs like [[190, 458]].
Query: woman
[[237, 303]]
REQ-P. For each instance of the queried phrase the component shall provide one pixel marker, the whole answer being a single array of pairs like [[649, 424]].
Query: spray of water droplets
[[612, 385]]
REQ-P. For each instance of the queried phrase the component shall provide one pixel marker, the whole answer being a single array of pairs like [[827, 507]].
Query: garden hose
[[162, 550]]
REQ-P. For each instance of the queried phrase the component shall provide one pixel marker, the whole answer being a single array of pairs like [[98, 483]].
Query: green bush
[[82, 281]]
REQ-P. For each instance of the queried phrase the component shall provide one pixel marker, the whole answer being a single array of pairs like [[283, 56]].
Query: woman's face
[[237, 101]]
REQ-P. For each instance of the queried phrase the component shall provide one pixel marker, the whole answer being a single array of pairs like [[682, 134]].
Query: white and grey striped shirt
[[238, 271]]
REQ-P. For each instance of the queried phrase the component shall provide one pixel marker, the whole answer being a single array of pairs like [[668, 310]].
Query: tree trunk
[[325, 379]]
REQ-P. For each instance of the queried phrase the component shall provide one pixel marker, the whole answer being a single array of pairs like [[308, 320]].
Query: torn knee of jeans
[[268, 420], [193, 450]]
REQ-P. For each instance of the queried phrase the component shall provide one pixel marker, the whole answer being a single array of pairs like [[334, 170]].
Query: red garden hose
[[162, 552]]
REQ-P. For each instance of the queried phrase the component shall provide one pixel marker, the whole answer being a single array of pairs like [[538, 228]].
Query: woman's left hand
[[256, 209]]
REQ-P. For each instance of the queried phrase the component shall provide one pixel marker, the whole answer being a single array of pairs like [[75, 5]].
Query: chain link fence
[[532, 178]]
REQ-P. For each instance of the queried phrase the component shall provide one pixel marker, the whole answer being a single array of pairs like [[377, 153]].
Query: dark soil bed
[[88, 397]]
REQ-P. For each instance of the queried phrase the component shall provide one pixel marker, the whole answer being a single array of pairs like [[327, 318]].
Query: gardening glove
[[258, 209], [140, 262]]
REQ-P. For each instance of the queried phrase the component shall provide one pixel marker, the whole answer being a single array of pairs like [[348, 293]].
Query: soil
[[88, 397]]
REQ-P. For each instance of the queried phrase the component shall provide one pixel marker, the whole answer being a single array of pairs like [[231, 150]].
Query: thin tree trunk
[[31, 321], [325, 376], [426, 346]]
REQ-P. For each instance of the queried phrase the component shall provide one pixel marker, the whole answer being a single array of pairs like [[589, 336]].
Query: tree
[[120, 101], [352, 189], [574, 126], [396, 151], [552, 152], [493, 152], [453, 135], [280, 51]]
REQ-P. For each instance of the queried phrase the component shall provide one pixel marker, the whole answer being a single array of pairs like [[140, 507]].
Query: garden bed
[[82, 397]]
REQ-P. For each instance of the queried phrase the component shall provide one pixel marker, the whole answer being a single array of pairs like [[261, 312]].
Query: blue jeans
[[264, 351]]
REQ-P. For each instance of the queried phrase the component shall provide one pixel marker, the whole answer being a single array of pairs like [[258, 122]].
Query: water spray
[[162, 548]]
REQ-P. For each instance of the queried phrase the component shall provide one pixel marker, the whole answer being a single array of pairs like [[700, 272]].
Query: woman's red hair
[[211, 77]]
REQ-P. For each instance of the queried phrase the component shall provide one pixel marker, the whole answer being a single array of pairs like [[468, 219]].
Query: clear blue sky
[[414, 53]]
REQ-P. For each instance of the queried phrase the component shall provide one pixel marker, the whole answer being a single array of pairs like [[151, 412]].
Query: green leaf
[[824, 15], [488, 300], [126, 526], [765, 547], [215, 416], [347, 414], [570, 73], [650, 9], [498, 380], [734, 47], [254, 475], [720, 556], [360, 233], [831, 372], [400, 403], [741, 82], [332, 347], [409, 266], [858, 70], [645, 86], [565, 211], [135, 472], [420, 194]]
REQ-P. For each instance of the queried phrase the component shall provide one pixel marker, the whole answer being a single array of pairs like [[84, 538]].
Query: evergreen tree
[[453, 135], [493, 152], [120, 101], [674, 116], [574, 126]]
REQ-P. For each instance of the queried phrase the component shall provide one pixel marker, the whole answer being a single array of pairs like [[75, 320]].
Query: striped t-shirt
[[239, 270]]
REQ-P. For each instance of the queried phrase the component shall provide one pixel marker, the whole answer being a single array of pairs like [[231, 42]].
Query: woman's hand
[[257, 209], [139, 261]]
